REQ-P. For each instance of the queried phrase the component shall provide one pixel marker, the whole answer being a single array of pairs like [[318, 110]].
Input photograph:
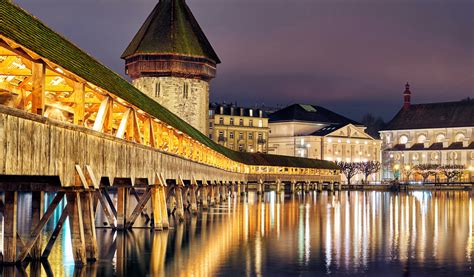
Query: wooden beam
[[38, 88], [10, 227], [101, 114], [79, 101], [138, 209], [105, 207], [55, 234], [123, 124], [76, 228], [34, 235], [37, 204]]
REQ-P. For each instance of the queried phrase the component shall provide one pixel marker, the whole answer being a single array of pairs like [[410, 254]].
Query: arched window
[[421, 139], [459, 137], [440, 138], [403, 140]]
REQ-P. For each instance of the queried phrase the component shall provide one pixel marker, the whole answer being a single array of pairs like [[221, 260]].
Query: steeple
[[170, 33], [407, 96]]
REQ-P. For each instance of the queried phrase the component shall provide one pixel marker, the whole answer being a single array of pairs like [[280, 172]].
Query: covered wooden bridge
[[71, 126]]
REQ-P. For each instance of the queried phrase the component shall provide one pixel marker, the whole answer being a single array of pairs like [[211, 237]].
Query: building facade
[[434, 133], [171, 61], [240, 129], [315, 132]]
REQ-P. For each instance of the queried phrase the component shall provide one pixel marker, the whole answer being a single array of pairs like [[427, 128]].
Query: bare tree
[[426, 170], [369, 167], [452, 172], [407, 171], [349, 169]]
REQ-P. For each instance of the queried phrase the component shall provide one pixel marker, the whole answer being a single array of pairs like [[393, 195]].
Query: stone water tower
[[171, 60]]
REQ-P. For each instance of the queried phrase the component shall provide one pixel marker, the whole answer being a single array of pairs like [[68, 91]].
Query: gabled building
[[433, 133], [238, 128], [315, 132]]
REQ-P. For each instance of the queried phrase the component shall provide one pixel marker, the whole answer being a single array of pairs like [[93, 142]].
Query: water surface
[[342, 233]]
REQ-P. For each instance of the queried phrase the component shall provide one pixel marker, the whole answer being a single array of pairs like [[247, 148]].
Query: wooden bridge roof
[[26, 30]]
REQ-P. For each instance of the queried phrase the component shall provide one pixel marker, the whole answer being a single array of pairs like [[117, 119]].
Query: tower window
[[158, 89], [185, 90]]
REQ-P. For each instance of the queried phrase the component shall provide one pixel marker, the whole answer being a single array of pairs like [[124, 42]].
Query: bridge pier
[[204, 195], [279, 188], [122, 203], [293, 187], [243, 188], [10, 227], [193, 196], [260, 187], [331, 187], [178, 193], [320, 186]]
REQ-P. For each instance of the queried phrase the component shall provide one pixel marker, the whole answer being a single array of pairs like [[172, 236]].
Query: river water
[[343, 233]]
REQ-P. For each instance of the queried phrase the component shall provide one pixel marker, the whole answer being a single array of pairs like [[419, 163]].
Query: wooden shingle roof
[[171, 29]]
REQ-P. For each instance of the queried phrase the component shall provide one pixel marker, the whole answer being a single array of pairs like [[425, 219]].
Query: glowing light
[[348, 141], [396, 167], [391, 155], [330, 140]]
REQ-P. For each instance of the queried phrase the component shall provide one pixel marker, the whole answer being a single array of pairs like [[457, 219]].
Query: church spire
[[407, 96]]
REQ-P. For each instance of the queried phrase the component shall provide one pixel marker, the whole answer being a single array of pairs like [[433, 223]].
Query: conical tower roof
[[171, 29]]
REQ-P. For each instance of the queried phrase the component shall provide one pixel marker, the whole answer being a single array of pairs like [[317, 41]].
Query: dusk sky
[[352, 56]]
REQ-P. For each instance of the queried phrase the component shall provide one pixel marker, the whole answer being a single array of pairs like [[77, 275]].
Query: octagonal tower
[[171, 60]]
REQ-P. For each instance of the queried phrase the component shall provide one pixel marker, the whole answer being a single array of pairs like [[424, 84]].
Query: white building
[[315, 132], [434, 133]]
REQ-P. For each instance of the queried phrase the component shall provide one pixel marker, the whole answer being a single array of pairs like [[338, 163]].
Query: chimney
[[407, 96]]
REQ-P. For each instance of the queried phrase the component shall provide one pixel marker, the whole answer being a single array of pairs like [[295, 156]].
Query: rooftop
[[171, 29], [434, 115], [310, 113]]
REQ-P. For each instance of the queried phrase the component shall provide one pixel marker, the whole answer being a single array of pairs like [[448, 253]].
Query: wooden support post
[[104, 203], [306, 186], [260, 185], [35, 233], [88, 218], [331, 186], [79, 100], [239, 189], [193, 197], [178, 193], [122, 198], [164, 209], [156, 207], [138, 209], [293, 187], [339, 186], [212, 193], [320, 186], [223, 186], [10, 227], [278, 186], [243, 191], [55, 234], [38, 73], [204, 195], [143, 212], [76, 227], [37, 204]]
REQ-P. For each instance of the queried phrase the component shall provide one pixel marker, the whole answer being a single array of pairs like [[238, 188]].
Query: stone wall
[[192, 106]]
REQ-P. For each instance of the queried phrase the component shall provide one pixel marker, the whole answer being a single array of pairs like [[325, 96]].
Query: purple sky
[[352, 56]]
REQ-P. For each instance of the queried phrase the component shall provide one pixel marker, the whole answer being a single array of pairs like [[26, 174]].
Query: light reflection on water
[[358, 233]]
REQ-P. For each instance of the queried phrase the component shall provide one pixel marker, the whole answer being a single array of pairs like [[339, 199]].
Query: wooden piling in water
[[76, 228], [204, 195], [10, 227]]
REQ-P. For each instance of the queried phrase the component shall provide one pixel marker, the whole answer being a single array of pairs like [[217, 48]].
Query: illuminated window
[[421, 139], [232, 121], [459, 137], [231, 135], [403, 140], [260, 123], [250, 135]]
